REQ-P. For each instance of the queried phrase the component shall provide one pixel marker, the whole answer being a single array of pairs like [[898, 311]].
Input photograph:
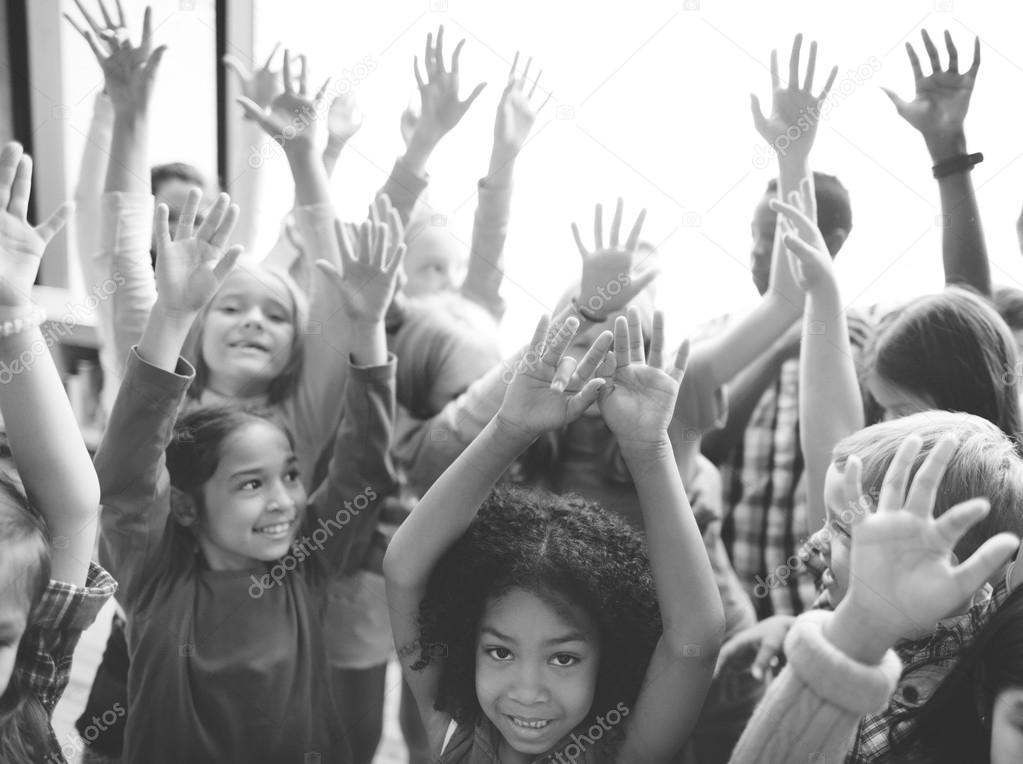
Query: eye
[[251, 485], [291, 476], [499, 653], [227, 308], [564, 660]]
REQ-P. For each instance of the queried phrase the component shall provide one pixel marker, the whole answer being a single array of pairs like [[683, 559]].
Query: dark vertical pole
[[222, 132], [21, 93]]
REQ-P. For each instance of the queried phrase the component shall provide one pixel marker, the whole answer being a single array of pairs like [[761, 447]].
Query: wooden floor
[[90, 651]]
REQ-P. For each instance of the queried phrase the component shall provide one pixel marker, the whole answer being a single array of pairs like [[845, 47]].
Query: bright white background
[[650, 102]]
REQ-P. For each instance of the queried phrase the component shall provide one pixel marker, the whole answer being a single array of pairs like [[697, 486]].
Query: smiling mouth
[[277, 529], [531, 724], [242, 345]]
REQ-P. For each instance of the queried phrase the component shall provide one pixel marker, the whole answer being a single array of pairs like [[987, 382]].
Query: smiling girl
[[194, 512], [526, 627]]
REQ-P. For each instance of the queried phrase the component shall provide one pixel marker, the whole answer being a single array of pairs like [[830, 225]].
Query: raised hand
[[344, 118], [441, 108], [902, 577], [638, 403], [21, 245], [262, 85], [515, 113], [370, 267], [792, 106], [763, 640], [808, 254], [536, 400], [292, 115], [613, 264], [129, 71], [192, 266], [942, 97]]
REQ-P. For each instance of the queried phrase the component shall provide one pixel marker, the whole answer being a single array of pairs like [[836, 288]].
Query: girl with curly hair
[[541, 626]]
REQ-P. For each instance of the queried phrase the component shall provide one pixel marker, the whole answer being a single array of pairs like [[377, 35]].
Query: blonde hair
[[985, 464], [282, 386]]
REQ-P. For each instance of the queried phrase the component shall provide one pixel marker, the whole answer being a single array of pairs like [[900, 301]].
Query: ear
[[835, 239], [183, 508]]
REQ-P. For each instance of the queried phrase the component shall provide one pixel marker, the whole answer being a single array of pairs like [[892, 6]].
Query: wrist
[[857, 633], [649, 446], [502, 165], [174, 317], [335, 145], [946, 145], [418, 151], [512, 433]]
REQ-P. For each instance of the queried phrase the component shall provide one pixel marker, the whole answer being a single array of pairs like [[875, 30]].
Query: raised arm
[[830, 406], [49, 453], [901, 580], [637, 407], [261, 85], [938, 111], [795, 109], [515, 118], [440, 111], [362, 449], [130, 460], [534, 403], [344, 118], [126, 212]]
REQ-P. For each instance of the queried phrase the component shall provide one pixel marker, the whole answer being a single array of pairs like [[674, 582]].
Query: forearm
[[128, 168], [963, 249], [742, 343], [443, 515], [311, 183], [331, 154], [830, 407], [690, 606], [369, 344], [52, 460], [486, 256], [164, 336]]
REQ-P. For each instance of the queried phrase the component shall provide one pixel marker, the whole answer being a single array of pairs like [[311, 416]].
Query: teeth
[[272, 530], [540, 724]]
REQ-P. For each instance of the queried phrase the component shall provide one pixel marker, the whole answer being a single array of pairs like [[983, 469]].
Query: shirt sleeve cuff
[[833, 675], [66, 607]]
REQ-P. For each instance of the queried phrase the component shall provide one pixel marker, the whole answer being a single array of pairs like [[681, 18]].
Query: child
[[530, 630], [213, 543], [902, 579], [51, 591]]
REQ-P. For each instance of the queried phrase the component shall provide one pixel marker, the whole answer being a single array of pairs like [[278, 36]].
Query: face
[[13, 616], [248, 333], [762, 228], [836, 577], [255, 501], [896, 401], [1007, 726], [536, 670], [432, 263]]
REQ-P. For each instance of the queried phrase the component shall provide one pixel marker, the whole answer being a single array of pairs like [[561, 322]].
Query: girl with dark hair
[[51, 591], [539, 625], [208, 526]]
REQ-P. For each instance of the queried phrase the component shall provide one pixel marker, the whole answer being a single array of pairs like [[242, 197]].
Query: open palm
[[515, 114], [638, 404], [943, 97], [191, 267]]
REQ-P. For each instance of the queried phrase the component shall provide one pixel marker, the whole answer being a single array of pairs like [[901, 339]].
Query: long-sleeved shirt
[[232, 665]]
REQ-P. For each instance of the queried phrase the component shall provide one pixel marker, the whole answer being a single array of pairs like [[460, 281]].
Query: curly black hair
[[560, 547]]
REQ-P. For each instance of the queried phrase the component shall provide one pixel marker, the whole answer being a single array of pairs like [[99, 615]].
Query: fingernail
[[757, 672]]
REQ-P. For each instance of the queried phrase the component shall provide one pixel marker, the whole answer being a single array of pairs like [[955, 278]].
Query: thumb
[[583, 399], [900, 105], [759, 119], [473, 95], [226, 263], [768, 651], [233, 64], [49, 227]]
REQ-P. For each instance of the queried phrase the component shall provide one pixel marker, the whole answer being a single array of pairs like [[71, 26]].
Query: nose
[[253, 317], [528, 686], [281, 499]]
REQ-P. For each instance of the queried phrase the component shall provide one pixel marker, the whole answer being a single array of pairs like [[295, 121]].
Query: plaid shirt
[[43, 665], [926, 663], [765, 492]]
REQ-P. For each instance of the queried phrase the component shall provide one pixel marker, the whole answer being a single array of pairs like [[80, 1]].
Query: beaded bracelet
[[23, 321]]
